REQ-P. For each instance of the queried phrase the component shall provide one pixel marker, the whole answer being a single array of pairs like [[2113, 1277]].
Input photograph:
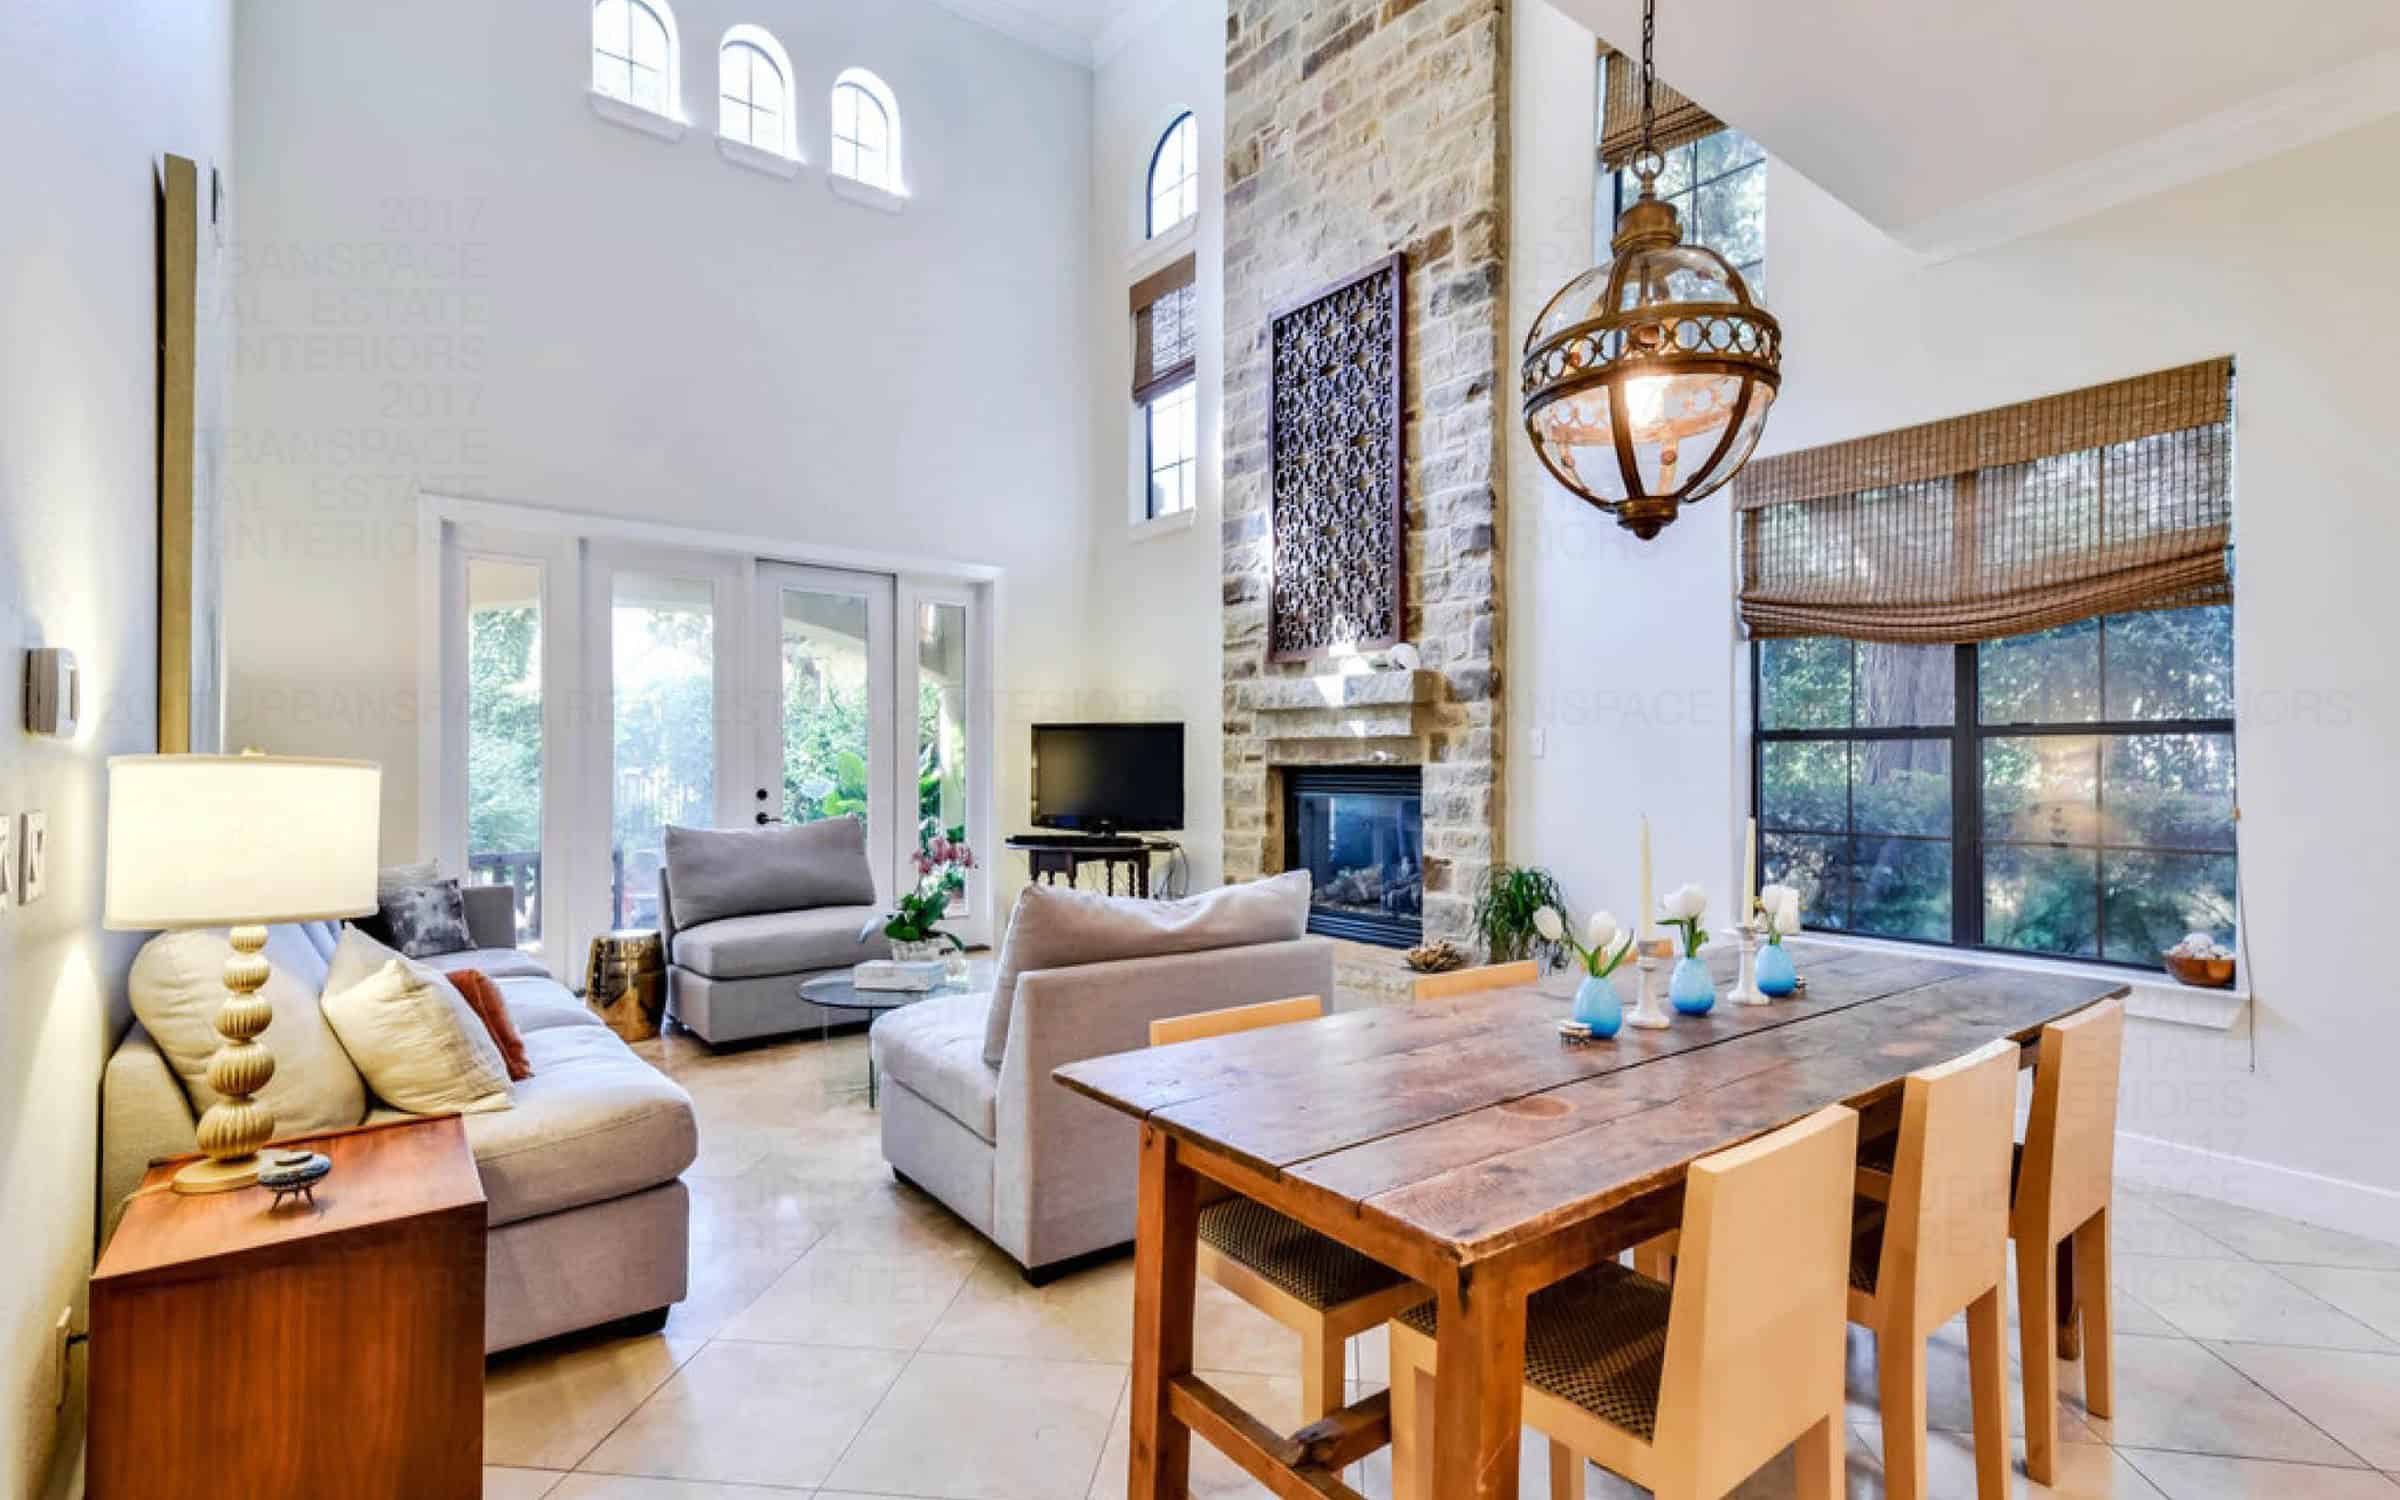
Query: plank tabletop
[[1467, 1124]]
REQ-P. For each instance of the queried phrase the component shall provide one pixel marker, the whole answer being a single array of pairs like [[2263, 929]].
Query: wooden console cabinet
[[301, 1352]]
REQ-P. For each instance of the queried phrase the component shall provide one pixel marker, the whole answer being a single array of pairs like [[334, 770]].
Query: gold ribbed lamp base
[[237, 1124]]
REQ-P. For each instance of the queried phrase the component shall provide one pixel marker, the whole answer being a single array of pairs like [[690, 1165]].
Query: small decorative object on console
[[898, 974], [1690, 987], [1601, 952], [2201, 961], [292, 1174], [1436, 958], [914, 925]]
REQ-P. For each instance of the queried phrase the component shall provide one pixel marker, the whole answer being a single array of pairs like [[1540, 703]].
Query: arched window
[[866, 131], [634, 55], [754, 92], [1175, 176]]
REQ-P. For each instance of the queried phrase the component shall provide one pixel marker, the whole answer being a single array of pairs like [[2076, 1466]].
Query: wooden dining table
[[1465, 1143]]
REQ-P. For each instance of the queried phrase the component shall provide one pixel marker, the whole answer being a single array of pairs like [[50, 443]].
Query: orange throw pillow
[[483, 997]]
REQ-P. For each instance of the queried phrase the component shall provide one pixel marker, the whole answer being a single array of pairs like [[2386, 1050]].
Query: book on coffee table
[[892, 974]]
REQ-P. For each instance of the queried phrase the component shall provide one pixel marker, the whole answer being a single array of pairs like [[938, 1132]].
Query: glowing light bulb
[[1646, 405]]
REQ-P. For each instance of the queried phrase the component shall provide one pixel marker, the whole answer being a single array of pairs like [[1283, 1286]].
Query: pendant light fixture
[[1647, 380]]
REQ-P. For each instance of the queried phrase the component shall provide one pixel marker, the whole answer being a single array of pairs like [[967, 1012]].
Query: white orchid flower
[[1600, 932], [1549, 924], [1684, 904]]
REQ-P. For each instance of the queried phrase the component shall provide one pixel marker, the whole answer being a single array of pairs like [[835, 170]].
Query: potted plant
[[1601, 953], [1779, 912], [1506, 900], [1690, 986], [914, 926]]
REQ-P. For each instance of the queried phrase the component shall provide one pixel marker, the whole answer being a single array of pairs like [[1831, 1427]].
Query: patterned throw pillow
[[424, 920]]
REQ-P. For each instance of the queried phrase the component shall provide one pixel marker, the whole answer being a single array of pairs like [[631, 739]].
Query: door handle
[[763, 818]]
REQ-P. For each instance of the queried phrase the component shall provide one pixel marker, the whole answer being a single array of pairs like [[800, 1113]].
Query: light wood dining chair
[[1468, 981], [2065, 1184], [1686, 1390], [1931, 1241], [1318, 1287]]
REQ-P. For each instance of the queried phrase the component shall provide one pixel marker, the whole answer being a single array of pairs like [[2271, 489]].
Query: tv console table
[[1053, 855]]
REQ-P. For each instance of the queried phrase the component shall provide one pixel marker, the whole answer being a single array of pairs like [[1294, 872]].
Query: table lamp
[[238, 841]]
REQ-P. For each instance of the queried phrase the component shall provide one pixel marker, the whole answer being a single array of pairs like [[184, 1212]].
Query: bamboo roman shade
[[1166, 331], [1679, 121], [2100, 501]]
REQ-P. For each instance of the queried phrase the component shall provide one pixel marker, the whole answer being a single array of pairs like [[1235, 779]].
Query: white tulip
[[1549, 924], [1780, 905], [1600, 932], [1686, 903]]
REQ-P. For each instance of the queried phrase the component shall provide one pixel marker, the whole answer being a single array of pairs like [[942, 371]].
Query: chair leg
[[1324, 1373], [1987, 1365], [1653, 1259], [1566, 1472], [1412, 1428], [1821, 1460], [1900, 1375], [2092, 1271], [2037, 1333]]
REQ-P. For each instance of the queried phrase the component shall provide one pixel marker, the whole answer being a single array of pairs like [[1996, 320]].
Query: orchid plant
[[1684, 907], [942, 864], [1779, 905], [1602, 947]]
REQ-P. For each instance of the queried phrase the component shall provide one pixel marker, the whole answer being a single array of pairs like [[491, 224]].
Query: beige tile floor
[[845, 1339]]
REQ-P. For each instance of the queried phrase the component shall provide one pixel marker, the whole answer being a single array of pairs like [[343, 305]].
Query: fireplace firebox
[[1359, 831]]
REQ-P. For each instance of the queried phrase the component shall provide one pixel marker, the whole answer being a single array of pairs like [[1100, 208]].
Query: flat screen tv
[[1108, 778]]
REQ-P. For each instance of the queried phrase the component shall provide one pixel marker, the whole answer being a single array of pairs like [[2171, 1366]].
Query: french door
[[825, 745]]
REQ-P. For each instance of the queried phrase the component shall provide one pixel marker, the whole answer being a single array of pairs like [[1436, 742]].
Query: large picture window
[[2066, 792]]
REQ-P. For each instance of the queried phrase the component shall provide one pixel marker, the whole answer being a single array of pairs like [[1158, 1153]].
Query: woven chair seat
[[1322, 1272], [1866, 1245], [1597, 1340]]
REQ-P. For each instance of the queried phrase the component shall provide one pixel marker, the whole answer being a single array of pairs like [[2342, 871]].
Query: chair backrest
[[1756, 1335], [1468, 981], [1945, 1238], [1235, 1018], [2071, 1135]]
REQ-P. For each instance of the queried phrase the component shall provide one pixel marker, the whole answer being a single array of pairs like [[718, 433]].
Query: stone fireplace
[[1360, 833], [1327, 108]]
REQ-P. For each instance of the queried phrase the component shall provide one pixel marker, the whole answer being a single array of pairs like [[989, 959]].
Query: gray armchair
[[746, 914]]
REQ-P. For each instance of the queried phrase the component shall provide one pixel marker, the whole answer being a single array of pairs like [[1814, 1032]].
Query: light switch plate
[[36, 846], [8, 860]]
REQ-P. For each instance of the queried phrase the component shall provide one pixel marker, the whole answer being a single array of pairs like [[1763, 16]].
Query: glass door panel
[[942, 705], [504, 733], [662, 665], [826, 749]]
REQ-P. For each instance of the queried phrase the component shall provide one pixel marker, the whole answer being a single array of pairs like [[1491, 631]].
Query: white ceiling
[[1949, 123], [1083, 31]]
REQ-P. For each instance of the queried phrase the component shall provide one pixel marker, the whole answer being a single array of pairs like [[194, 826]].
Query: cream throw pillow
[[412, 1035], [177, 985]]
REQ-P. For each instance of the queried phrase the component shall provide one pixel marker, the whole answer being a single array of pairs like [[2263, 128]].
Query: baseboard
[[2328, 1202]]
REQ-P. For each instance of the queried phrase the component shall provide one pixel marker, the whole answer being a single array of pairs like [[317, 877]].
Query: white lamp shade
[[225, 840]]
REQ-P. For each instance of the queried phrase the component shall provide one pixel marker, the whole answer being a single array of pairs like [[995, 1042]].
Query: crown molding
[[2269, 124], [1067, 43]]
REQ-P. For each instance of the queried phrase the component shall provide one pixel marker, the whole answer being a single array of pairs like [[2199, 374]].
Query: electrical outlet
[[1538, 741], [62, 1342]]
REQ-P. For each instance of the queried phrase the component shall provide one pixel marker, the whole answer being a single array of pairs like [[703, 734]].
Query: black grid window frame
[[1625, 188], [1967, 736]]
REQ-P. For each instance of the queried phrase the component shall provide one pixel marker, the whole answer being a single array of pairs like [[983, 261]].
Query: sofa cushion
[[935, 1048], [594, 1122], [538, 1002], [177, 986], [413, 1036], [779, 942], [1060, 929], [734, 872], [495, 963]]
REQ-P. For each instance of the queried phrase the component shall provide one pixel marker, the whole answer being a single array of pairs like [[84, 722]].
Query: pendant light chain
[[1648, 163]]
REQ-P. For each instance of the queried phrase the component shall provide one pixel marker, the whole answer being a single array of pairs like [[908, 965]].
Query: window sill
[[866, 193], [2153, 997], [1154, 254], [758, 158], [1149, 528], [634, 117]]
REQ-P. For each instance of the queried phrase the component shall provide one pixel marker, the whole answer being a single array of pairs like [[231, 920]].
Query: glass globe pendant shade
[[1647, 381]]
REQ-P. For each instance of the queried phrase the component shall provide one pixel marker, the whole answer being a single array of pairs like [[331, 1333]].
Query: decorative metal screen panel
[[1335, 443]]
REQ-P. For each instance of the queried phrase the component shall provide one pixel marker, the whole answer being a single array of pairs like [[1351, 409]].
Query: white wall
[[96, 94], [456, 277], [2274, 264], [1155, 600]]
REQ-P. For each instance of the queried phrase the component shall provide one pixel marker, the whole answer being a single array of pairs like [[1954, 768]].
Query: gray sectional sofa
[[746, 914], [590, 1220]]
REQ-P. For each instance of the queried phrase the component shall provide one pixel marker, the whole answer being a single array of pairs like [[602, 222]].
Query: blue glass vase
[[1775, 975], [1691, 988], [1597, 1006]]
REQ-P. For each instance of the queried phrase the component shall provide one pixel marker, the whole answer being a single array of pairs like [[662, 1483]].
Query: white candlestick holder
[[1647, 1013], [1745, 989]]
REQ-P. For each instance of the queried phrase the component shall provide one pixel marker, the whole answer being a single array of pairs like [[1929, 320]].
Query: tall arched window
[[866, 131], [754, 92], [634, 55], [1175, 176]]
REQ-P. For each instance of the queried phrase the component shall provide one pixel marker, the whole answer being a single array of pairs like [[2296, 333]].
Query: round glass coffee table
[[835, 992]]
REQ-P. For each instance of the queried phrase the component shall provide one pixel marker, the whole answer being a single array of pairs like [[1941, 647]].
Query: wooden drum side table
[[316, 1349]]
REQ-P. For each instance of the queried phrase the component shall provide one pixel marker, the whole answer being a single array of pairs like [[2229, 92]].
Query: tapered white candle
[[1746, 901], [1648, 906]]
